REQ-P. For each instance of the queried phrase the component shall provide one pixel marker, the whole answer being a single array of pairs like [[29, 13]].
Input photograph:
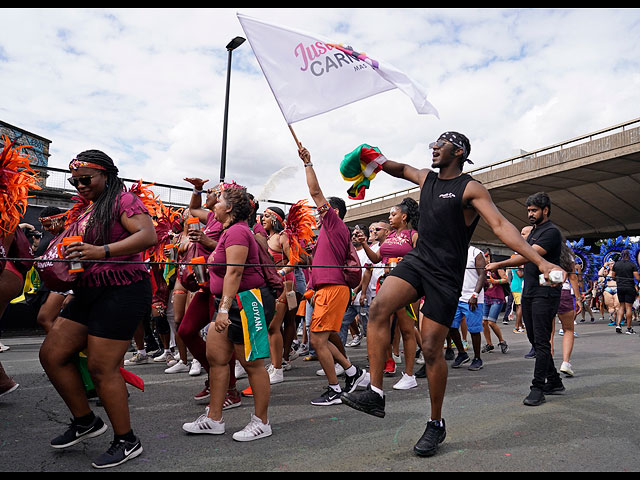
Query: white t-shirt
[[375, 274], [471, 276]]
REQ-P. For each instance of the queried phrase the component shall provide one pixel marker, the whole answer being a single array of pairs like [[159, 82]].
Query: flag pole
[[294, 137]]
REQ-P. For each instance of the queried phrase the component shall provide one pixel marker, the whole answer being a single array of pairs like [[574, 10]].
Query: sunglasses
[[81, 180]]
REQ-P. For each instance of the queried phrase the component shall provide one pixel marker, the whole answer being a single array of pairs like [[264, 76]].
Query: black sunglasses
[[82, 180]]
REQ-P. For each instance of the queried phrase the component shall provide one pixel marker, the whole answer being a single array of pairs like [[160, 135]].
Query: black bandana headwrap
[[460, 141]]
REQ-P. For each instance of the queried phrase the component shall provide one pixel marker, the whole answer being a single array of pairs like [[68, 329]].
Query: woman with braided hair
[[404, 219], [230, 278], [273, 222], [110, 301]]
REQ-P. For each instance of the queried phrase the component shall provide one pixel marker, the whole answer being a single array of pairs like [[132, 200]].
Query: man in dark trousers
[[540, 302], [451, 204]]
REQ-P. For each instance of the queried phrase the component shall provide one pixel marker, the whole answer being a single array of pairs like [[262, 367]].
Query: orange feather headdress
[[16, 179], [300, 224]]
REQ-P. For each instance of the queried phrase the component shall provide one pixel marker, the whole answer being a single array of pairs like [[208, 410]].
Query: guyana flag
[[254, 324], [360, 167]]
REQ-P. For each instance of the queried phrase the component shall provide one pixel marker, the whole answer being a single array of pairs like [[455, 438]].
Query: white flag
[[309, 74]]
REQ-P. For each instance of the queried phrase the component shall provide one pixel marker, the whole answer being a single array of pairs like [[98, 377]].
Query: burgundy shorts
[[567, 302]]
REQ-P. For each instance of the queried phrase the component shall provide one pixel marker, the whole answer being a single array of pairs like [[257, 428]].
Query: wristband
[[107, 252], [220, 310], [197, 192], [308, 164], [474, 295]]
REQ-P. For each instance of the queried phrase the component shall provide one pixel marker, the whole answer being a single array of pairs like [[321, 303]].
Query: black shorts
[[235, 332], [626, 295], [440, 299], [112, 312]]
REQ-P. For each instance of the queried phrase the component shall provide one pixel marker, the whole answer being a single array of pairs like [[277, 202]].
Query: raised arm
[[407, 172], [312, 180]]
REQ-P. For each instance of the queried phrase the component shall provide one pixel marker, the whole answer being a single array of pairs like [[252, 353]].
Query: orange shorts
[[330, 303]]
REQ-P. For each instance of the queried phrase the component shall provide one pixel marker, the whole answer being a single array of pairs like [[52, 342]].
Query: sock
[[143, 351], [127, 437], [438, 423], [378, 391], [351, 371], [85, 420], [335, 388]]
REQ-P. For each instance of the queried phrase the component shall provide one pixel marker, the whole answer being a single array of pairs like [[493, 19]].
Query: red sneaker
[[204, 395], [247, 392], [390, 367], [232, 399]]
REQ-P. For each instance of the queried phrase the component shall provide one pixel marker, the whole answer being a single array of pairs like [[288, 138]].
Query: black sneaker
[[553, 389], [351, 383], [422, 372], [76, 433], [119, 452], [366, 401], [449, 354], [329, 397], [460, 360], [432, 437], [535, 398], [531, 354]]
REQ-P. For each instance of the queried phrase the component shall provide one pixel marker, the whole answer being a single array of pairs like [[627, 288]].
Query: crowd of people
[[230, 287]]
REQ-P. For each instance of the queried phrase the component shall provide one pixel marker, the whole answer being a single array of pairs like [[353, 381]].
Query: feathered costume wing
[[16, 179], [301, 222]]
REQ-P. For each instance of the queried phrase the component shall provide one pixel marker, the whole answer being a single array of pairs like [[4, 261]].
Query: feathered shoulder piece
[[16, 179], [164, 224], [300, 224], [150, 199]]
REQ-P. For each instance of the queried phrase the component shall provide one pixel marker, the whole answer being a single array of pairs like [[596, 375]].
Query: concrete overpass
[[593, 181]]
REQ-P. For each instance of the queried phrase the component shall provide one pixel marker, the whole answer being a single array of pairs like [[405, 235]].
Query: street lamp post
[[233, 44]]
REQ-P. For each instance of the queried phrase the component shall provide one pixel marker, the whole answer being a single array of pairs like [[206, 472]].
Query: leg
[[393, 294], [60, 346], [259, 381], [105, 356], [219, 353], [50, 310], [197, 316], [433, 336]]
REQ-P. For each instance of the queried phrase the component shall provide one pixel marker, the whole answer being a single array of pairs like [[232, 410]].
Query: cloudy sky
[[147, 86]]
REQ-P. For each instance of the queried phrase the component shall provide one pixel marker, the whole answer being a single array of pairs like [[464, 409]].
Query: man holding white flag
[[310, 75]]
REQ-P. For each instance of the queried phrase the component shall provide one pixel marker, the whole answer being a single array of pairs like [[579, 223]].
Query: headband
[[54, 217], [271, 212], [75, 164], [460, 141]]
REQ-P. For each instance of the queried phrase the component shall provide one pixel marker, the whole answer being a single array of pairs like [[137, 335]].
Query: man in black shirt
[[624, 271], [540, 302], [451, 204]]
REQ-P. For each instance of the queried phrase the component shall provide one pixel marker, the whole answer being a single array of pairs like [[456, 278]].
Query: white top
[[375, 274], [471, 276]]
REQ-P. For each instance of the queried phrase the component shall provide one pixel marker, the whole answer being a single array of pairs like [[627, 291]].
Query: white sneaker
[[165, 357], [240, 371], [566, 369], [179, 367], [137, 359], [406, 382], [4, 348], [196, 368], [339, 371], [253, 431], [276, 376], [397, 358], [420, 359], [204, 424]]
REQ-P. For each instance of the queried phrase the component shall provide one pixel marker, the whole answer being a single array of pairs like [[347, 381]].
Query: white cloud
[[147, 86]]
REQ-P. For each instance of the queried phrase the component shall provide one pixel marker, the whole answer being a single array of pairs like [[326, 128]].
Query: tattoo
[[225, 304]]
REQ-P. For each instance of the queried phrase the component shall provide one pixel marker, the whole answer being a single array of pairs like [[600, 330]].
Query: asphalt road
[[593, 427]]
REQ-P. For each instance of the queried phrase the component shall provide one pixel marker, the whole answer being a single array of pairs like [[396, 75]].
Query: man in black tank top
[[451, 204]]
